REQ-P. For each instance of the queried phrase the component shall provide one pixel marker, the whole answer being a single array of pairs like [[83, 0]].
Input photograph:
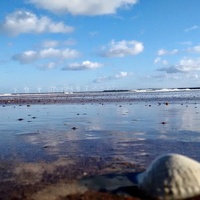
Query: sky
[[81, 45]]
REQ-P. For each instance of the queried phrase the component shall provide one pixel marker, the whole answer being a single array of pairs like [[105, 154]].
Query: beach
[[50, 141]]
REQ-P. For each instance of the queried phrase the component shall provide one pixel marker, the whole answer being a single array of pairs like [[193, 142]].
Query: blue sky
[[98, 44]]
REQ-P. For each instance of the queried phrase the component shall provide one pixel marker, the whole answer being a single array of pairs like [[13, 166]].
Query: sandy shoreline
[[49, 143], [59, 179]]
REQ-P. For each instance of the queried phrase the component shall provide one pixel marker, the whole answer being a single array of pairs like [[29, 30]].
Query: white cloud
[[185, 65], [119, 75], [195, 27], [83, 66], [157, 60], [160, 60], [188, 65], [26, 57], [80, 7], [195, 49], [192, 49], [163, 52], [27, 22], [175, 51], [50, 53], [170, 70], [122, 48]]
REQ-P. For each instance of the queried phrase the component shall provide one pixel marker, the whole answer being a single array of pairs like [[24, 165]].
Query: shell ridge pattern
[[171, 176]]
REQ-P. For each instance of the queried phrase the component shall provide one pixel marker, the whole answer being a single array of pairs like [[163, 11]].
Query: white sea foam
[[163, 90]]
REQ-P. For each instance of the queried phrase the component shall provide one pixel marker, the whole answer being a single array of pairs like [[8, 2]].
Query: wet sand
[[49, 143]]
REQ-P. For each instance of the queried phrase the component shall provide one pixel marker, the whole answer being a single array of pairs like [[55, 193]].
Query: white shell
[[171, 176]]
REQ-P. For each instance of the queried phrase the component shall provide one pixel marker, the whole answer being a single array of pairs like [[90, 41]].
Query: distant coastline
[[103, 91], [158, 95]]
